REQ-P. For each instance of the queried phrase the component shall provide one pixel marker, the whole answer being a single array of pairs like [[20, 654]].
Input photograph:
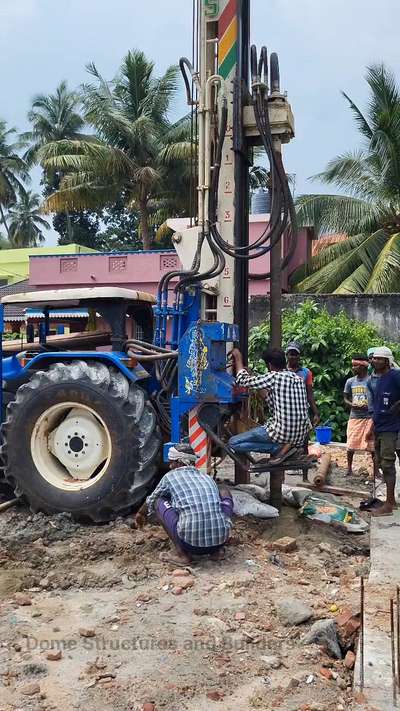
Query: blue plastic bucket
[[323, 434]]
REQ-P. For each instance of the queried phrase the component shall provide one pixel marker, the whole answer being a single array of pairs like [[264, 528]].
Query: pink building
[[143, 270], [302, 255]]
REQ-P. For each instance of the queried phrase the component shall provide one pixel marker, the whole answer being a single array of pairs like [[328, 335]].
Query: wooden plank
[[288, 465], [339, 490]]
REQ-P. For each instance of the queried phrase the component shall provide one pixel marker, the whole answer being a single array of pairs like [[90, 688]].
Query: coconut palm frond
[[180, 151], [82, 195], [351, 171], [336, 213], [384, 94], [53, 117], [361, 121], [356, 283], [370, 210], [385, 276], [329, 277]]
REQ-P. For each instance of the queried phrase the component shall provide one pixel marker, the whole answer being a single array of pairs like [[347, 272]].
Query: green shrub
[[328, 344], [8, 336]]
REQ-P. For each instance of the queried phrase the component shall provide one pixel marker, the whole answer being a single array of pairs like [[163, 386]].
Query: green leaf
[[370, 177]]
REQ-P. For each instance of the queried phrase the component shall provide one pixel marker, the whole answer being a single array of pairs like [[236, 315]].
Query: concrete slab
[[385, 550], [379, 589]]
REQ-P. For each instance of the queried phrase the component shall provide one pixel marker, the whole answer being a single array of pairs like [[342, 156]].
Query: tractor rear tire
[[112, 417]]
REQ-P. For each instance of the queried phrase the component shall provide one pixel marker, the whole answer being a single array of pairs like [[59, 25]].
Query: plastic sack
[[329, 512], [294, 495], [244, 504], [259, 492]]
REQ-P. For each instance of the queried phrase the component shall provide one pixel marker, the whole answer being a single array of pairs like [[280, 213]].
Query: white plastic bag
[[244, 504]]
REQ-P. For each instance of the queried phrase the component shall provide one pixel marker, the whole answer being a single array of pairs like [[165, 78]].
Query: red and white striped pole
[[199, 442]]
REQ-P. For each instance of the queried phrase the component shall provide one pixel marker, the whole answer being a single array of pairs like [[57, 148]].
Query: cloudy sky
[[324, 46]]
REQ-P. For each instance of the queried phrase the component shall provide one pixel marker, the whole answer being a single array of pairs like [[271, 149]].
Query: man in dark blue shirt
[[386, 417]]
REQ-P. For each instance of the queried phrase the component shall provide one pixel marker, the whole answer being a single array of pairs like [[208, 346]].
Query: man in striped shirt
[[195, 513], [286, 399]]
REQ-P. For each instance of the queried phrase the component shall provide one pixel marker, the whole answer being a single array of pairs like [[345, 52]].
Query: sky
[[324, 47]]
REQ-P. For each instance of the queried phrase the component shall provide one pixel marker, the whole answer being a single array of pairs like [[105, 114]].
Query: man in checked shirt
[[286, 397], [195, 513]]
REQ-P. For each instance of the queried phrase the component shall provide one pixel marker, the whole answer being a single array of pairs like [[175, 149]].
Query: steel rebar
[[392, 644], [398, 633], [7, 504], [362, 635]]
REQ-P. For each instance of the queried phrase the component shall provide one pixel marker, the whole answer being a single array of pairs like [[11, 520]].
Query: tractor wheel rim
[[71, 446]]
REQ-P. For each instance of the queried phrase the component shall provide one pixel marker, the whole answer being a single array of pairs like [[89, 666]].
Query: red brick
[[240, 616], [285, 544], [350, 660], [215, 695]]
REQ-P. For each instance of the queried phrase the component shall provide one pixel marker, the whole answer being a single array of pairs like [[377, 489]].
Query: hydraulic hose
[[143, 344], [271, 234], [153, 356]]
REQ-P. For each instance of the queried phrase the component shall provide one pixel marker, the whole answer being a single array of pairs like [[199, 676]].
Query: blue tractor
[[83, 429], [80, 433]]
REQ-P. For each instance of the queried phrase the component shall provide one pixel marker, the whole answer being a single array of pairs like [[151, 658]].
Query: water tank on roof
[[260, 202]]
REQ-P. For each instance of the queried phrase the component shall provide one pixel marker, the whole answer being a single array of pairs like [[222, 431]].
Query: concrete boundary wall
[[381, 310]]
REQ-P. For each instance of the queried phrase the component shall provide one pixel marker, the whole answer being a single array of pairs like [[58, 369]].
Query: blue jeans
[[255, 440]]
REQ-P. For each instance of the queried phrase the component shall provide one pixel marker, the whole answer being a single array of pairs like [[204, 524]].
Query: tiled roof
[[326, 241], [14, 312]]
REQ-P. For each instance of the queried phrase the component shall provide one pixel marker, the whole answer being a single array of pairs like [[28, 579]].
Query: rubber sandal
[[370, 504], [171, 560], [274, 461]]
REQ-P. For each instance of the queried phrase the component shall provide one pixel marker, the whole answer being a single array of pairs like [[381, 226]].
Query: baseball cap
[[293, 346]]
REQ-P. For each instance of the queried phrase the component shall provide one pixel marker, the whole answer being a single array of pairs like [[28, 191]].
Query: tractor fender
[[12, 368]]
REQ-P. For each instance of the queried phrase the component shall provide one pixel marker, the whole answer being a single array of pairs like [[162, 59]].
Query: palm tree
[[53, 118], [369, 260], [13, 169], [25, 221], [136, 153]]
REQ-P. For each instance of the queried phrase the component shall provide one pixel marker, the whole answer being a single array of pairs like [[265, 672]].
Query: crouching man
[[194, 512]]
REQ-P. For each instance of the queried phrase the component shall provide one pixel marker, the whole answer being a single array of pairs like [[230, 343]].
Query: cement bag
[[258, 492], [333, 514], [294, 495], [244, 504]]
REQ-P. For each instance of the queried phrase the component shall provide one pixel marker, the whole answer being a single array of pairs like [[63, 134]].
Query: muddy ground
[[90, 618]]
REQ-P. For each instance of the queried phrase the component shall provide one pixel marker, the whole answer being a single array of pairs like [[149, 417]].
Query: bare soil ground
[[124, 633]]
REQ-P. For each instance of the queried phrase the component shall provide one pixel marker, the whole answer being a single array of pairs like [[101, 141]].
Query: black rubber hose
[[263, 65], [272, 237], [184, 64], [253, 64], [275, 74]]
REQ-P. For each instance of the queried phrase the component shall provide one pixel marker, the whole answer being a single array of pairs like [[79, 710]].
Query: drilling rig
[[237, 107], [84, 431]]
